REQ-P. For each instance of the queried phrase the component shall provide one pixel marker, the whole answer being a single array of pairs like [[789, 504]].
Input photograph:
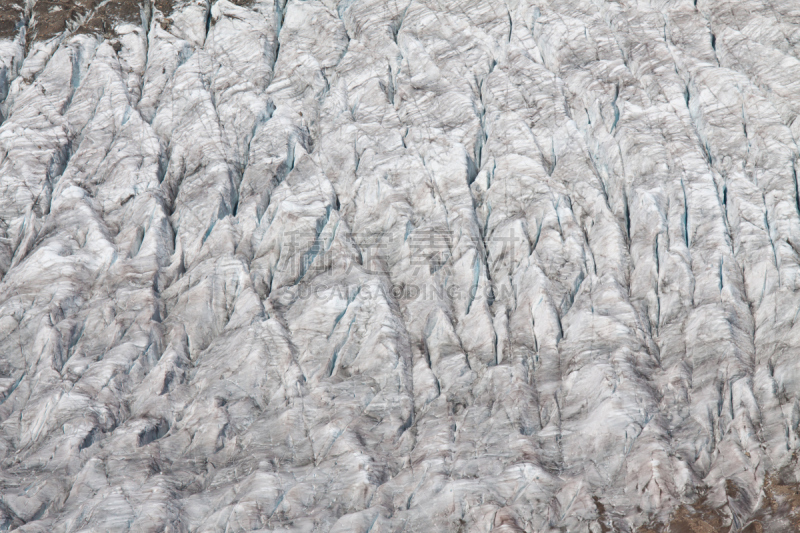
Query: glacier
[[517, 265]]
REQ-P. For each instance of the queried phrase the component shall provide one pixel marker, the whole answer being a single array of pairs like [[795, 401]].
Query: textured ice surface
[[413, 265]]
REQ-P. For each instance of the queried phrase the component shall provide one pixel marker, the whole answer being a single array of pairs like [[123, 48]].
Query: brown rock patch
[[51, 17], [10, 18]]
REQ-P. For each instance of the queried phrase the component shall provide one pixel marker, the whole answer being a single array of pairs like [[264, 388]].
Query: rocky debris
[[12, 18], [399, 266]]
